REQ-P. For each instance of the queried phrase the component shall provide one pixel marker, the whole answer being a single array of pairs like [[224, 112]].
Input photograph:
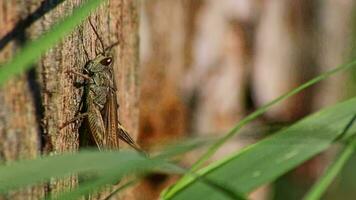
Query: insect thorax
[[101, 79]]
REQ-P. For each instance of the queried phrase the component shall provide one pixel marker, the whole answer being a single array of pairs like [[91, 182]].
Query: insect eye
[[106, 61]]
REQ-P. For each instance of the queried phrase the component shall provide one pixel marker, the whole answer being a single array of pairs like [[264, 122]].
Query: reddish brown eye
[[106, 61]]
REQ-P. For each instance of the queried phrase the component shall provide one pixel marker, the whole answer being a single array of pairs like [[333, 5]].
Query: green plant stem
[[323, 183], [284, 150], [33, 50], [325, 180], [122, 187], [224, 189], [210, 152]]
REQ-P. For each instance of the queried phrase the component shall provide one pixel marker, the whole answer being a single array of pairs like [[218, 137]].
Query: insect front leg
[[79, 84], [84, 76], [78, 117]]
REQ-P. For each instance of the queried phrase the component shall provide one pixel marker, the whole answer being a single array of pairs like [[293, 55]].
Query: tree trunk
[[166, 31], [19, 127], [39, 102], [335, 39], [287, 25]]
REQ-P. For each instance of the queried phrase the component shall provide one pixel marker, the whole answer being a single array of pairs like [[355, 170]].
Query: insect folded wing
[[110, 117], [96, 126]]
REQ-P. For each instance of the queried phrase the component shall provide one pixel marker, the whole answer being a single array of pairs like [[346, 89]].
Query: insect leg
[[124, 135], [78, 74], [78, 117]]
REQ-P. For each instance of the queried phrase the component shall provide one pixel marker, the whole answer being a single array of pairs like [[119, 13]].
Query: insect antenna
[[108, 49], [97, 35], [85, 51]]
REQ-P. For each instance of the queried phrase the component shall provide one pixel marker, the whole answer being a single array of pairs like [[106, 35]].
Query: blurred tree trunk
[[335, 31], [52, 90], [220, 68], [167, 29], [162, 111], [19, 127], [219, 76], [284, 56], [193, 56]]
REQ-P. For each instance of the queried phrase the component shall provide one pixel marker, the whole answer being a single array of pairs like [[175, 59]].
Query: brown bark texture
[[35, 104], [19, 126]]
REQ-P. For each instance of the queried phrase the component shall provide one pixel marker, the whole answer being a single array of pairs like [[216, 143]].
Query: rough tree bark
[[19, 128], [20, 125]]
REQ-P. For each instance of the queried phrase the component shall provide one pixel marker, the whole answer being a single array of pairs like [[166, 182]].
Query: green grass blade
[[123, 187], [323, 183], [33, 50], [272, 157], [219, 187], [326, 179], [110, 177], [235, 130], [29, 172], [210, 152]]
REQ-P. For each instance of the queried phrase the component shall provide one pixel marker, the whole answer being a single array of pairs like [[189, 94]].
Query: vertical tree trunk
[[116, 20], [167, 28], [161, 107], [283, 56], [19, 128], [219, 76], [220, 67], [335, 38]]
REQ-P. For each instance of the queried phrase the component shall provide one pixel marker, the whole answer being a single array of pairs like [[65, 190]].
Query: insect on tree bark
[[99, 105]]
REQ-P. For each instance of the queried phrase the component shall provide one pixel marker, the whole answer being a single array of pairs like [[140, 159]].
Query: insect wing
[[114, 129], [110, 117], [96, 126]]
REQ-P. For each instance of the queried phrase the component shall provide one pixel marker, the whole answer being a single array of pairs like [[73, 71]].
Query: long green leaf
[[29, 172], [320, 187], [272, 157], [326, 179], [110, 177], [33, 50], [113, 174], [234, 131]]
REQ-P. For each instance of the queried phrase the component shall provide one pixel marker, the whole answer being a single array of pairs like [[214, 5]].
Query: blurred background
[[205, 64]]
